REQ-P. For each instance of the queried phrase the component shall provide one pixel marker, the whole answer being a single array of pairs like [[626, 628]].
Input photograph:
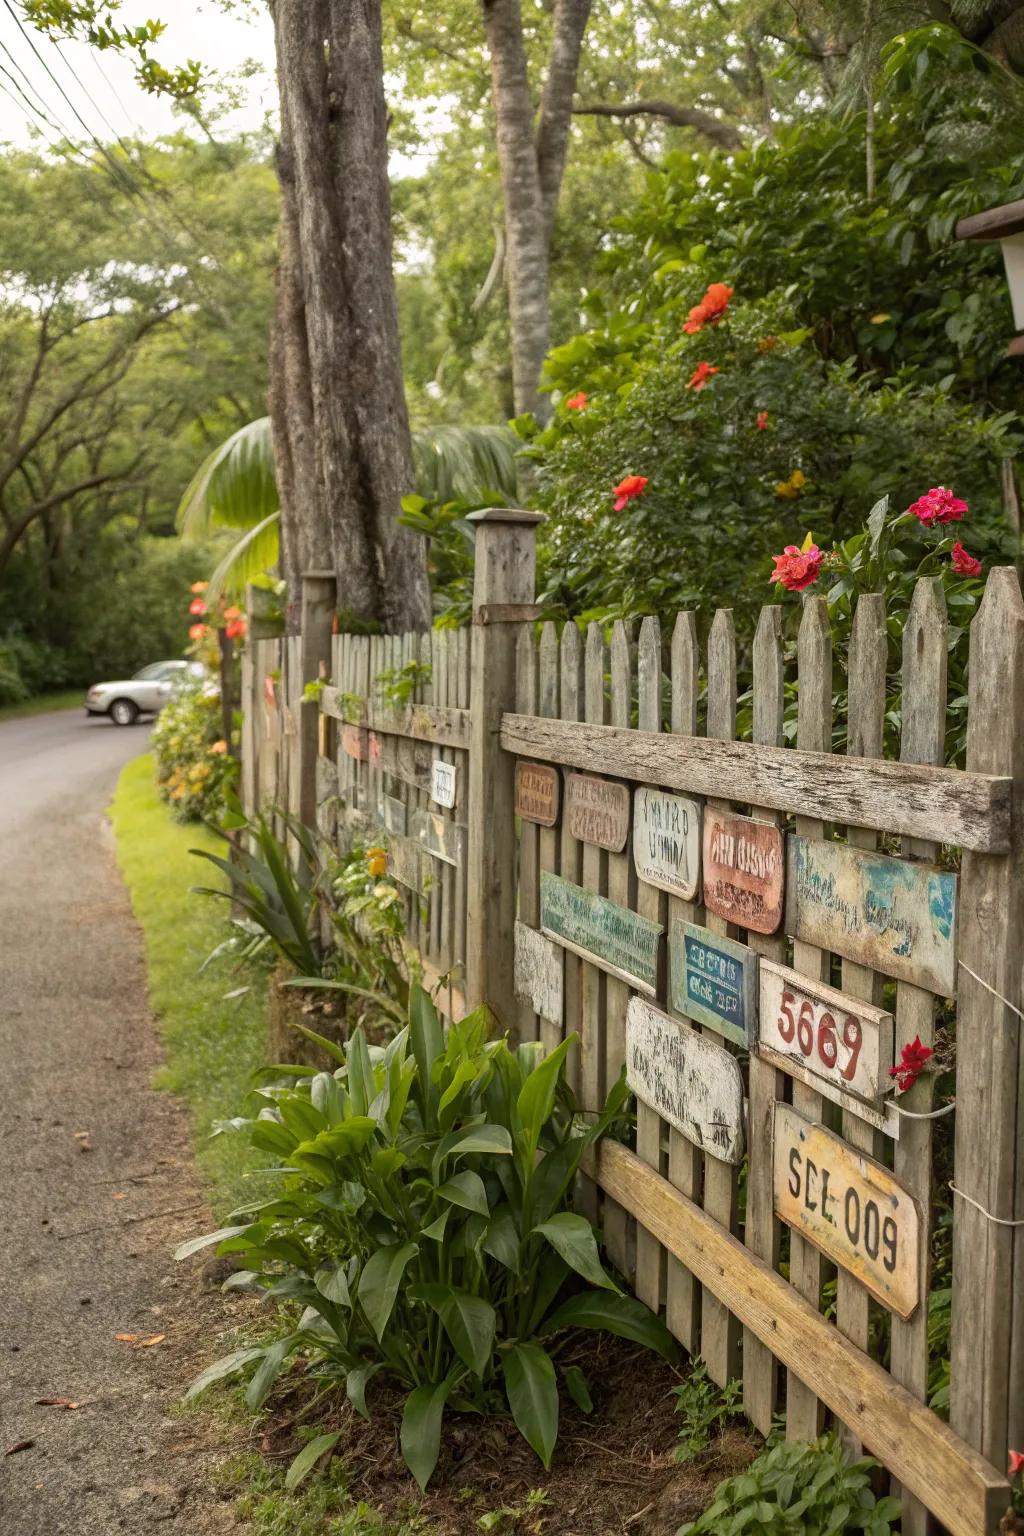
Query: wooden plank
[[538, 790], [597, 811], [439, 724], [743, 869], [961, 1488], [570, 851], [445, 646], [850, 1207], [836, 1044], [897, 917], [691, 1082], [714, 980], [538, 973], [462, 699], [529, 890], [548, 702], [338, 701], [988, 1259], [619, 942], [666, 841], [971, 810]]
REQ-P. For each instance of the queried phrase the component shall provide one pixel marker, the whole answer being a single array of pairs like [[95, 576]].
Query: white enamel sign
[[442, 783], [666, 841], [689, 1079]]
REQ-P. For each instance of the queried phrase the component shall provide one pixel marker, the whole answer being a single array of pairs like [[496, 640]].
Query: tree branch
[[713, 128], [569, 25]]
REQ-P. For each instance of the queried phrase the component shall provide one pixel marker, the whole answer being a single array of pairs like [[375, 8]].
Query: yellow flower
[[791, 488], [378, 861], [219, 746]]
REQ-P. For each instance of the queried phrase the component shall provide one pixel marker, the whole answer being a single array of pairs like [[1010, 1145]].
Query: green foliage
[[396, 685], [323, 1507], [420, 1234], [798, 1488], [194, 770], [703, 1408]]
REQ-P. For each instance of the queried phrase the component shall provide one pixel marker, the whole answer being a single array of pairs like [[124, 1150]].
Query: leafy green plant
[[422, 1234], [703, 1407], [798, 1488], [396, 685], [195, 772], [516, 1517]]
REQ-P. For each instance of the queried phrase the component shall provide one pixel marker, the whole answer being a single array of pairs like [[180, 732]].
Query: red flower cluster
[[963, 563], [633, 485], [197, 606], [1016, 1463], [711, 308], [578, 402], [700, 375], [938, 505], [796, 568], [911, 1064], [762, 421]]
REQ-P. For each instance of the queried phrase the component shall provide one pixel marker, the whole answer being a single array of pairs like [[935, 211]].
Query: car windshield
[[156, 670]]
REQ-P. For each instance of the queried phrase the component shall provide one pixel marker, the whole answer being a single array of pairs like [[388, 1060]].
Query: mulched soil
[[614, 1470]]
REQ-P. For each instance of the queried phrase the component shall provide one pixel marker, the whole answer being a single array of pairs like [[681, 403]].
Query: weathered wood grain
[[570, 863], [549, 839]]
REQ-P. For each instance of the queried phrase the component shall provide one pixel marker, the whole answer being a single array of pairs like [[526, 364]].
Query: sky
[[101, 88]]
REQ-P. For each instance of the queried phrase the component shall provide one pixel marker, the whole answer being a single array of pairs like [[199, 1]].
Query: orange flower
[[577, 402], [791, 488], [219, 747], [199, 586], [633, 485], [197, 631], [235, 630], [711, 308], [700, 375], [762, 421], [232, 613], [197, 606]]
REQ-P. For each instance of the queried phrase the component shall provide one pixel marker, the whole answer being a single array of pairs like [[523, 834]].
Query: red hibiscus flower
[[197, 606], [197, 631], [938, 505], [762, 421], [235, 629], [577, 402], [711, 308], [1016, 1463], [633, 485], [796, 568], [700, 375], [963, 563], [911, 1064]]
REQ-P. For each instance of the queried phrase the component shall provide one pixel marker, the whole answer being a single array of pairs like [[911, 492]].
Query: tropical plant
[[235, 488], [798, 1488], [195, 770], [423, 1227]]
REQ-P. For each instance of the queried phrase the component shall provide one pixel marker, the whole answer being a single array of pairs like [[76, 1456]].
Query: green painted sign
[[612, 937]]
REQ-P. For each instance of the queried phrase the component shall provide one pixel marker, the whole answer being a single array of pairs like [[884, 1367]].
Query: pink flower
[[197, 606], [700, 376], [938, 505], [633, 485], [963, 563], [911, 1064], [235, 629], [578, 402], [1016, 1463], [796, 568], [197, 631], [762, 421]]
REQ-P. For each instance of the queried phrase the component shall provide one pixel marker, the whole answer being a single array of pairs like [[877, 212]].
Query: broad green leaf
[[621, 1315], [356, 1383], [501, 1240], [537, 1098], [466, 1189], [379, 1282], [227, 1365], [436, 1229], [308, 1457], [332, 1282], [361, 1085], [195, 1244], [494, 1139], [469, 1322], [576, 1386], [269, 1369], [532, 1396], [421, 1429], [427, 1040], [573, 1237]]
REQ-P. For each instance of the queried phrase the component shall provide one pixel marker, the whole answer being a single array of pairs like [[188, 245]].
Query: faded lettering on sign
[[896, 916], [666, 841], [850, 1207], [538, 972], [692, 1082], [612, 937], [836, 1044], [744, 869], [597, 811], [537, 789], [442, 783], [714, 980]]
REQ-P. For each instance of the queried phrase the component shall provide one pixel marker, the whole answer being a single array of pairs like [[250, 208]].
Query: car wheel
[[124, 712]]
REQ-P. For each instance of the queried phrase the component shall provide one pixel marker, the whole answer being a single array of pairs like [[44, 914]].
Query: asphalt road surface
[[97, 1178]]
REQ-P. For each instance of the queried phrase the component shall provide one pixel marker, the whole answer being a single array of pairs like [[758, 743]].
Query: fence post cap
[[505, 515]]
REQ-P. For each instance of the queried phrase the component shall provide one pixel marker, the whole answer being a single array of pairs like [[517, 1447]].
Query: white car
[[142, 694]]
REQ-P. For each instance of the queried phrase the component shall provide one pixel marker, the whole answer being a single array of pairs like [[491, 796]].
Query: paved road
[[78, 1264]]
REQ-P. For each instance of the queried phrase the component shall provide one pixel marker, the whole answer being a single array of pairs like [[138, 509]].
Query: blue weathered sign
[[714, 980]]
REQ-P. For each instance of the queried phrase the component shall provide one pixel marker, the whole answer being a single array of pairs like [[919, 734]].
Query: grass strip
[[44, 704]]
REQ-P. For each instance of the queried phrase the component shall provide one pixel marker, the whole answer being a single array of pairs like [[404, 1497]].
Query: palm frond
[[250, 556], [465, 463], [234, 487]]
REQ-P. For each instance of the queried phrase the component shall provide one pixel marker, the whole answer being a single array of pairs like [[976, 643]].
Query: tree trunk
[[338, 406]]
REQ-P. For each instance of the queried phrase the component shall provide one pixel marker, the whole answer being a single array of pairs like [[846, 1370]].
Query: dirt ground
[[98, 1182]]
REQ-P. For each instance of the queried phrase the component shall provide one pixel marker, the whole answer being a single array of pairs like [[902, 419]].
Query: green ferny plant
[[423, 1228]]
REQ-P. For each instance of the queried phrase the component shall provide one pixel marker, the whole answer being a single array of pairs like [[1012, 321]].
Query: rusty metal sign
[[537, 793], [744, 870], [597, 811]]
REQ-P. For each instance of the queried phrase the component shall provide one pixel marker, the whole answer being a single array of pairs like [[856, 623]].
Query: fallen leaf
[[126, 1338], [119, 1197], [156, 1338], [19, 1445], [64, 1402]]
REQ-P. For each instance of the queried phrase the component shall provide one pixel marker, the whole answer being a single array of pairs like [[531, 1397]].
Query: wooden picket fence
[[541, 793]]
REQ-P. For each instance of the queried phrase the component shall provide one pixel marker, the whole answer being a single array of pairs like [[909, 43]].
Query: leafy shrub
[[703, 1407], [421, 1235], [13, 688], [798, 1488], [194, 769]]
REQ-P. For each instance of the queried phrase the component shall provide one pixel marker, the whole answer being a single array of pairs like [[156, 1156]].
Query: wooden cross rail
[[969, 810], [443, 726], [957, 1484]]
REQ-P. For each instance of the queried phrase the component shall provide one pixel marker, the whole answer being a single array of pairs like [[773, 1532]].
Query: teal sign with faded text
[[612, 937], [714, 981]]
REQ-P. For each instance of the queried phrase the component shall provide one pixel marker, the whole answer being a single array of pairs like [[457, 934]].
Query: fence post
[[503, 595], [319, 598]]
